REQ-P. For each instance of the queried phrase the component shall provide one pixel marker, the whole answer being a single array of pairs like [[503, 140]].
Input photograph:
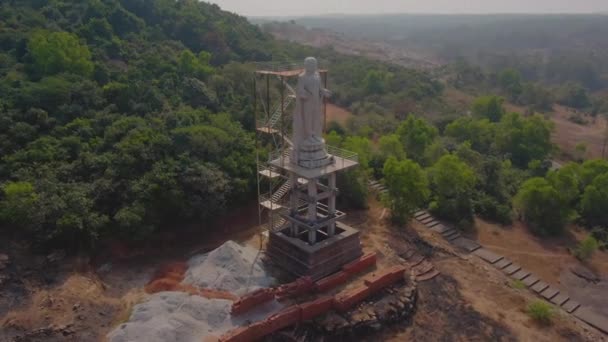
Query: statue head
[[310, 65]]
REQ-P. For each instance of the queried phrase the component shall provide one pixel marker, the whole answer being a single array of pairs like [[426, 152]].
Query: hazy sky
[[311, 7]]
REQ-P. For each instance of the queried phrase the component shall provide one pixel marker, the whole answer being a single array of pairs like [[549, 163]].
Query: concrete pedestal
[[327, 256]]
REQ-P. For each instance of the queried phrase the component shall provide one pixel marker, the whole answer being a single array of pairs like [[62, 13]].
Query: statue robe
[[308, 114]]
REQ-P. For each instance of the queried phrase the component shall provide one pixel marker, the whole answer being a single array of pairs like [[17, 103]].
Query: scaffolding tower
[[274, 99], [297, 205]]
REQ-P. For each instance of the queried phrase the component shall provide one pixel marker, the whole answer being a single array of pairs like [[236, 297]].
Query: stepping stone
[[420, 213], [549, 293], [488, 255], [453, 237], [570, 306], [432, 224], [428, 276], [440, 228], [466, 244], [416, 260], [428, 220], [423, 268], [540, 286], [449, 232], [374, 182], [520, 275], [423, 217], [509, 270], [592, 318], [560, 299], [531, 280], [503, 263], [409, 253]]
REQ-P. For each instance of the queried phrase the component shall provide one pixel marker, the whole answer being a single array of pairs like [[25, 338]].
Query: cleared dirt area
[[550, 259], [337, 114], [568, 134]]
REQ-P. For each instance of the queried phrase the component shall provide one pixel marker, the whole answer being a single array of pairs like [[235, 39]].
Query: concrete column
[[312, 203], [312, 236], [331, 230], [312, 209]]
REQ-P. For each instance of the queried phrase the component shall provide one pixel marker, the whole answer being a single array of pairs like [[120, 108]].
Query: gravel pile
[[178, 316], [231, 267]]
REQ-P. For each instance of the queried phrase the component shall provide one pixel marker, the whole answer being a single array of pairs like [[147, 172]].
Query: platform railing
[[278, 66], [342, 155]]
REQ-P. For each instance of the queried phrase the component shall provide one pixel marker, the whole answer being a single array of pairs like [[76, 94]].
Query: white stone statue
[[309, 145]]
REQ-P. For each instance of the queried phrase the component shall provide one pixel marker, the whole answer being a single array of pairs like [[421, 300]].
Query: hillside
[[122, 116]]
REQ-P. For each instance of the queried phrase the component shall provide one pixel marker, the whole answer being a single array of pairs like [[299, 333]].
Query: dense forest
[[120, 118]]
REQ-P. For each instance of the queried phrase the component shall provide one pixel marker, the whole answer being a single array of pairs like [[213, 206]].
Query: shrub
[[540, 311], [518, 284], [585, 249]]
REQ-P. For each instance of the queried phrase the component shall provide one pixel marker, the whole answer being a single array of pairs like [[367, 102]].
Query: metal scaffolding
[[274, 99]]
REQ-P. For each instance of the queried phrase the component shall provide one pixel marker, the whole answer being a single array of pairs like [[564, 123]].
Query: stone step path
[[377, 186], [449, 233], [515, 271], [420, 268], [551, 294]]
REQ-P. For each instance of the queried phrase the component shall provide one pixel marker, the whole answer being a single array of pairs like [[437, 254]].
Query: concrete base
[[319, 260]]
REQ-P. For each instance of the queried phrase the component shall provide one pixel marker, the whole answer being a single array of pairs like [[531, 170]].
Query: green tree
[[585, 249], [57, 52], [594, 203], [452, 185], [573, 95], [408, 188], [480, 133], [524, 139], [567, 182], [19, 204], [542, 207], [489, 107], [416, 135], [510, 82], [391, 146]]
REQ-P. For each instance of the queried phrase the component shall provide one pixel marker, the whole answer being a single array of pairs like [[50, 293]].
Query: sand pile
[[179, 316], [231, 267]]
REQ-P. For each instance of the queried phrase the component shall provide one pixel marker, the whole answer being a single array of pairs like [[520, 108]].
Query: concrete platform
[[520, 275], [440, 228], [319, 260], [540, 286], [340, 164], [428, 220], [549, 293], [488, 255], [503, 263], [592, 318], [420, 213], [509, 270], [466, 244], [531, 280], [560, 299], [433, 224], [423, 217], [570, 306]]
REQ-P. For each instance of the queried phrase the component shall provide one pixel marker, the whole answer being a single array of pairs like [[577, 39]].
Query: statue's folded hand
[[326, 93]]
